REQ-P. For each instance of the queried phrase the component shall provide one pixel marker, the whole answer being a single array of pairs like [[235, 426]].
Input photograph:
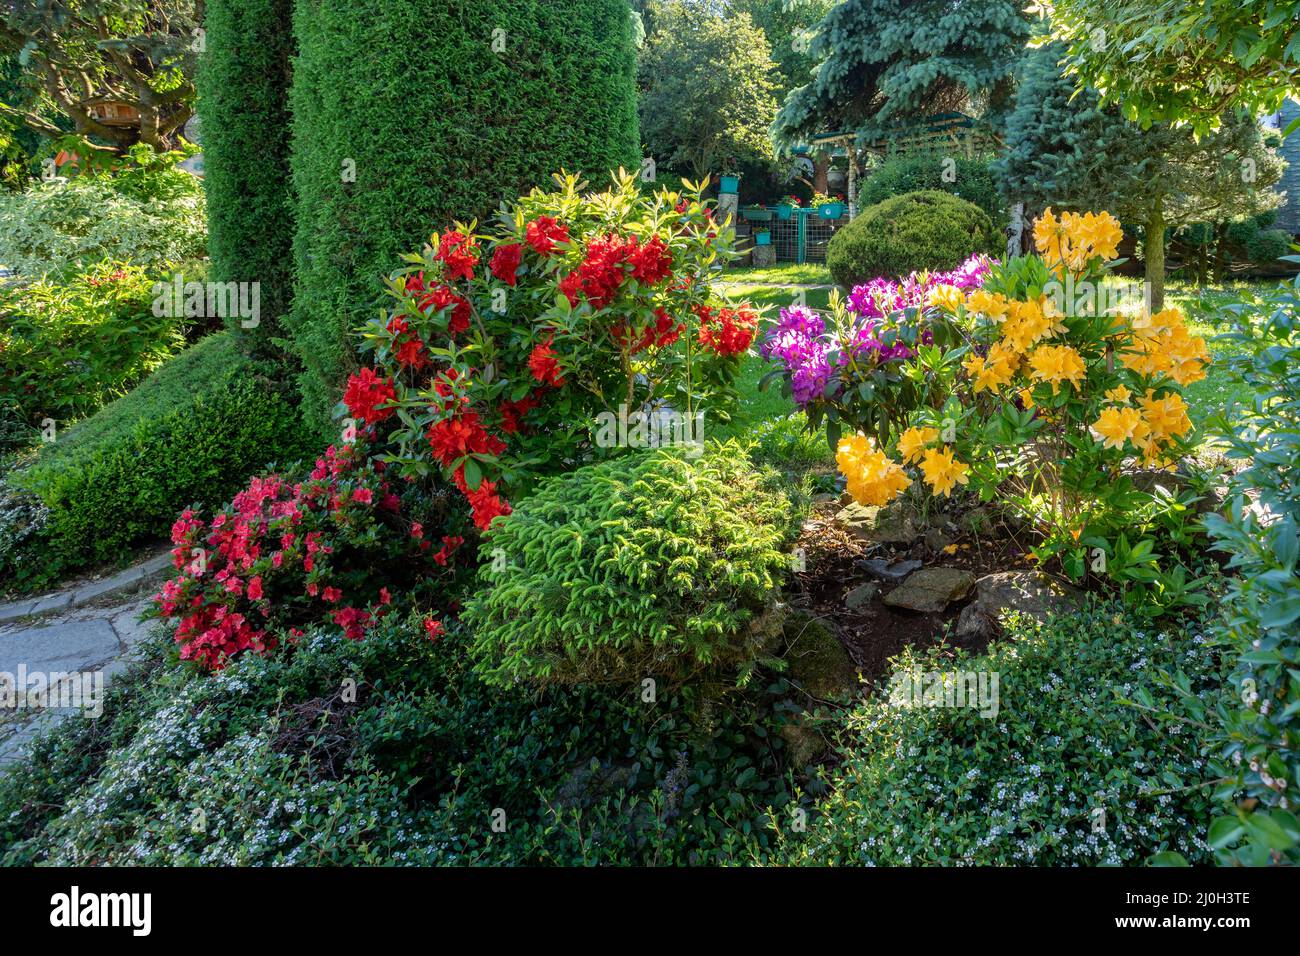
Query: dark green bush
[[436, 126], [191, 433], [243, 86], [1065, 773], [651, 565], [287, 768], [928, 230], [972, 180]]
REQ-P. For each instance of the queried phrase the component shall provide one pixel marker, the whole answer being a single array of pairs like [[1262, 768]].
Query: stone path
[[73, 642]]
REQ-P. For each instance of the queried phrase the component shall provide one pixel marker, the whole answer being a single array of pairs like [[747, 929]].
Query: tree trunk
[[1154, 252], [821, 168]]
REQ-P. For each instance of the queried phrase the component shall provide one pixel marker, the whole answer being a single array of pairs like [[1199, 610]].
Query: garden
[[413, 460]]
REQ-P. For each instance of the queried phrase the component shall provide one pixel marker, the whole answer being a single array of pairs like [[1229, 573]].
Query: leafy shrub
[[1257, 743], [243, 83], [971, 180], [1039, 389], [1062, 775], [928, 229], [560, 94], [335, 545], [147, 215], [649, 565], [68, 347], [280, 765], [500, 354], [854, 367], [191, 432]]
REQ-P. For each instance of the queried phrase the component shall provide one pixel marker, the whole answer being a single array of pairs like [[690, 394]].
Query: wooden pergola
[[953, 133]]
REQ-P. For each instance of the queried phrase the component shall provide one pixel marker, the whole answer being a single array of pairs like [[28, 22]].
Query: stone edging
[[85, 593]]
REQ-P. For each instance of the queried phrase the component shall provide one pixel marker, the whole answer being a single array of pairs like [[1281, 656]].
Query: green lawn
[[785, 273]]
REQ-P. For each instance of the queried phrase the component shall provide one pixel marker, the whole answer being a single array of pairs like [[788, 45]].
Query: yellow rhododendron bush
[[1060, 393]]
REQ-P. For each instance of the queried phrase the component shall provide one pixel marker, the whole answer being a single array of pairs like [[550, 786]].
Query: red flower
[[365, 392], [486, 504], [255, 588], [571, 285], [460, 253], [433, 628], [544, 365], [730, 332], [461, 435], [441, 298], [652, 262], [543, 233], [410, 352], [505, 262], [331, 594], [604, 268], [512, 413]]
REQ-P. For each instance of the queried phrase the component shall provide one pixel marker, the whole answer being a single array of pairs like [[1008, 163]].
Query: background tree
[[79, 53], [1072, 152], [883, 63], [1174, 61], [706, 89]]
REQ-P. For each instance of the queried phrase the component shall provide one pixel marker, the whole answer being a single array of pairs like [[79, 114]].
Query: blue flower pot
[[784, 212], [762, 238], [729, 184], [831, 210]]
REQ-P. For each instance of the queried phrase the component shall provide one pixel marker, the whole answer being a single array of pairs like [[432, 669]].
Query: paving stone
[[68, 646], [16, 610]]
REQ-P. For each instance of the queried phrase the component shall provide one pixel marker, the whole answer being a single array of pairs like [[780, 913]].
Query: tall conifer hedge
[[243, 82], [409, 114]]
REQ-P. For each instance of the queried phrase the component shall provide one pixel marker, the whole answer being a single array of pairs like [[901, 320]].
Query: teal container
[[784, 212], [762, 238], [730, 184], [831, 210]]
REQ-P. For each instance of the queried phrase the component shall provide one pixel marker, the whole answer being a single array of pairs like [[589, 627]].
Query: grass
[[775, 299], [784, 273]]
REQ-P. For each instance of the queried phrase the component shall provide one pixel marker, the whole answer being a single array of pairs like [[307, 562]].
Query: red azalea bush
[[497, 354], [338, 545], [499, 350]]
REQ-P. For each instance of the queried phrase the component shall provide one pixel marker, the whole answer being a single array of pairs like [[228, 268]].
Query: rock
[[936, 541], [930, 590], [818, 661], [1030, 592], [889, 573], [861, 595], [893, 524], [803, 743]]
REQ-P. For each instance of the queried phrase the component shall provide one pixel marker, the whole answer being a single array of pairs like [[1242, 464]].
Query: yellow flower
[[946, 297], [1118, 425], [1074, 240], [992, 372], [1119, 395], [942, 472], [872, 478], [1166, 417], [1026, 323], [1056, 364], [913, 441], [1163, 346], [1027, 397], [987, 303]]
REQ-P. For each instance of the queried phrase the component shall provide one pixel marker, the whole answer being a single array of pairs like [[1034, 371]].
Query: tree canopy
[[882, 63], [1174, 61], [706, 89], [77, 54]]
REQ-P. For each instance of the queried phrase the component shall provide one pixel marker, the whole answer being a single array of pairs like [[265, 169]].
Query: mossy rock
[[818, 661]]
